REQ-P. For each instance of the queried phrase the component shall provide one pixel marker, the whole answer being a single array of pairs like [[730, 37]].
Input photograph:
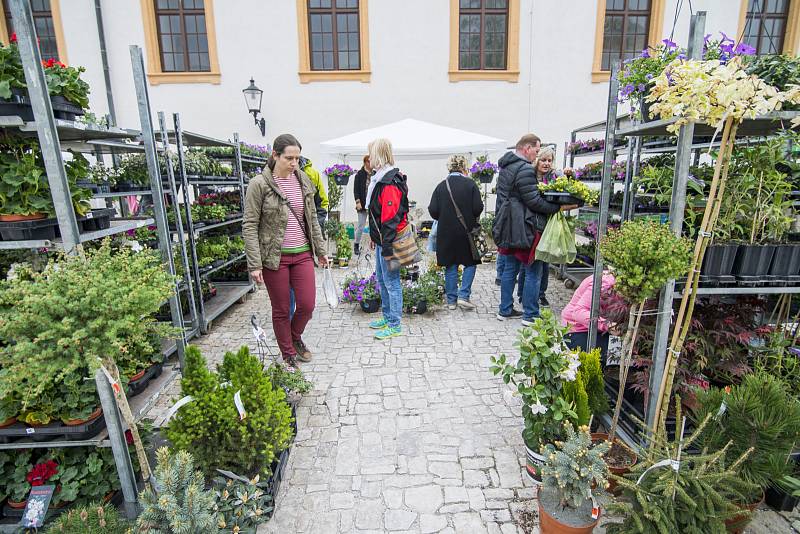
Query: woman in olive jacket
[[282, 237]]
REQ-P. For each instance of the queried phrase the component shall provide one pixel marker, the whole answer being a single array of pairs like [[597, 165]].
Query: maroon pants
[[295, 271]]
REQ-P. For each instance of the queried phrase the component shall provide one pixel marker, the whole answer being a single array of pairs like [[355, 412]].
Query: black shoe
[[357, 249], [497, 282], [543, 302], [515, 314]]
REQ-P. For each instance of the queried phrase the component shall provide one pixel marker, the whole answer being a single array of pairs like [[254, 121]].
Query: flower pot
[[17, 218], [8, 422], [92, 416], [737, 524], [533, 464], [548, 524], [779, 500], [344, 262], [753, 260], [64, 109], [16, 505], [718, 260], [137, 376], [371, 306], [786, 260], [619, 470], [486, 178], [419, 308], [644, 108], [341, 180]]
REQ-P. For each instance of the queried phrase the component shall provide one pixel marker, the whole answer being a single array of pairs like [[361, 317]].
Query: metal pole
[[98, 14], [627, 215], [45, 124], [201, 308], [605, 197], [178, 219], [116, 435], [677, 207], [151, 154]]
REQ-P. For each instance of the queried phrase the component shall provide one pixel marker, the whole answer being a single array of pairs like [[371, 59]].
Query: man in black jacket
[[360, 193], [521, 215]]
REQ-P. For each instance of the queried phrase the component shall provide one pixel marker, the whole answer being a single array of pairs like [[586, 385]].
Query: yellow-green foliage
[[575, 393], [592, 374]]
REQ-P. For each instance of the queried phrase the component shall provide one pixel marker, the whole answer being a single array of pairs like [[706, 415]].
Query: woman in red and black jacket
[[387, 203]]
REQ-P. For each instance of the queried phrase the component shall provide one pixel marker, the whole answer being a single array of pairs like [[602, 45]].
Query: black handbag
[[474, 235]]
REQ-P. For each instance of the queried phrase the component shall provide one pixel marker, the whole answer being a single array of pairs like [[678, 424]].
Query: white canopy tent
[[414, 139]]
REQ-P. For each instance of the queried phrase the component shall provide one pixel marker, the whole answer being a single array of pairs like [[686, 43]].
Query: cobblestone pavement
[[411, 435]]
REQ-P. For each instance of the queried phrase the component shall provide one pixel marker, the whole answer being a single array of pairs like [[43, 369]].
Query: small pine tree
[[592, 374], [182, 505], [96, 518], [575, 393]]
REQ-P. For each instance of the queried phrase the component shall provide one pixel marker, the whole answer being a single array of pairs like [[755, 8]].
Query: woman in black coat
[[452, 244]]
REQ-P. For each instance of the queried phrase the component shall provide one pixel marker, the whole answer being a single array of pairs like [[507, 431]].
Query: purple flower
[[726, 39], [706, 38], [744, 49], [682, 56], [641, 88], [648, 77], [671, 45], [645, 53], [668, 74]]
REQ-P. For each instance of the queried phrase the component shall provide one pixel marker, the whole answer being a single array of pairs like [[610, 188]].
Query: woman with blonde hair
[[282, 237], [387, 205], [456, 205]]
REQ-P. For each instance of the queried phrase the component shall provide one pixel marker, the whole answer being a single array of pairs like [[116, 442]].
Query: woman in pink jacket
[[576, 315]]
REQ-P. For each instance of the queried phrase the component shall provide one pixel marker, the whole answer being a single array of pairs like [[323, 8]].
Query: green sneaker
[[380, 324], [388, 332]]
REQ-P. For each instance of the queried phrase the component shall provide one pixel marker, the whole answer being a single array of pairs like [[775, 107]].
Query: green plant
[[344, 249], [24, 189], [212, 427], [243, 504], [575, 393], [780, 71], [591, 374], [12, 76], [289, 381], [84, 475], [56, 326], [182, 506], [211, 249], [66, 81], [198, 163], [102, 175], [133, 168], [209, 212], [95, 518], [15, 466], [636, 78], [573, 466], [576, 188], [544, 365], [760, 414], [335, 194], [333, 228], [695, 495], [487, 222]]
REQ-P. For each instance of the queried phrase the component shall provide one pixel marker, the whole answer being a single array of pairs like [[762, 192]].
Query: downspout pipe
[[98, 11]]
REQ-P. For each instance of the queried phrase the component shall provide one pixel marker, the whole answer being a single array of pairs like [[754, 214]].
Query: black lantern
[[252, 97]]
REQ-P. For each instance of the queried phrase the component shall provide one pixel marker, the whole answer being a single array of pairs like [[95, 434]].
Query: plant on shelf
[[643, 255], [198, 163], [758, 414], [779, 71], [636, 79], [56, 325], [674, 489], [594, 171], [12, 75], [15, 467], [242, 504], [100, 174], [94, 518], [213, 212], [213, 427], [576, 188], [483, 170], [133, 169], [573, 467], [212, 248], [544, 365], [66, 82], [183, 505]]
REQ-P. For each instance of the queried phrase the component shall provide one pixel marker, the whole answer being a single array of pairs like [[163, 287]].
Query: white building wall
[[409, 53]]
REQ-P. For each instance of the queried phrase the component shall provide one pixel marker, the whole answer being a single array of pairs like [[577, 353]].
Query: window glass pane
[[316, 23], [341, 41], [327, 23], [166, 44], [341, 23], [316, 41], [327, 60], [352, 22], [313, 4], [754, 5], [325, 3], [495, 23], [346, 4], [177, 44], [180, 62], [353, 44], [496, 4], [327, 42], [355, 60], [205, 63], [175, 24], [191, 24], [344, 61], [169, 63], [316, 60], [494, 60], [615, 5], [470, 4], [191, 43], [194, 62], [204, 44]]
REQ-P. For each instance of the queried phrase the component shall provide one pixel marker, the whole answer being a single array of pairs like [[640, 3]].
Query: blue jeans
[[451, 288], [501, 265], [530, 292], [391, 290], [542, 284]]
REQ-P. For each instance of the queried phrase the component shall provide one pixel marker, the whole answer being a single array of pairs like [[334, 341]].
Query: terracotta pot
[[108, 496], [15, 218], [16, 505], [8, 422], [550, 525], [736, 525], [92, 416], [619, 471], [137, 376]]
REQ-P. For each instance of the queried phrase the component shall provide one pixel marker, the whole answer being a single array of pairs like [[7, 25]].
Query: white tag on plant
[[722, 409], [175, 407], [237, 400]]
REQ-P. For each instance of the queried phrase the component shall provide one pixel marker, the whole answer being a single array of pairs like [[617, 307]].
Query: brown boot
[[303, 354]]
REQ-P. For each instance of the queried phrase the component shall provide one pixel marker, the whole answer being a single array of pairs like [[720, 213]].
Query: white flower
[[538, 408], [557, 348]]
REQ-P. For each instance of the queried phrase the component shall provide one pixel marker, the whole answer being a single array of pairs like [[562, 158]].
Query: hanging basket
[[341, 180]]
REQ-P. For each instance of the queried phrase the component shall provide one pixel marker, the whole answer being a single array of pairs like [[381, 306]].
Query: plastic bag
[[329, 288], [557, 244], [432, 236]]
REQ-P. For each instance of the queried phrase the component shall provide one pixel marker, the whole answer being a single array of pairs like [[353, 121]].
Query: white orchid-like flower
[[538, 408]]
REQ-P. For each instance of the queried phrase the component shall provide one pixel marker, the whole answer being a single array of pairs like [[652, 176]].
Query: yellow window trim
[[791, 41], [511, 74], [154, 73], [653, 38], [61, 43], [307, 75]]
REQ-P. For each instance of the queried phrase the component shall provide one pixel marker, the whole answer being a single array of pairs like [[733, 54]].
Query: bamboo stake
[[683, 321]]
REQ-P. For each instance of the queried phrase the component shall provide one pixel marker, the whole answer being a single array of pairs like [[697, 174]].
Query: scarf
[[374, 179]]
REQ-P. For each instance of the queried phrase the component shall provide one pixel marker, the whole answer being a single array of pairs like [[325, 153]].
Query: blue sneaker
[[380, 324], [388, 332]]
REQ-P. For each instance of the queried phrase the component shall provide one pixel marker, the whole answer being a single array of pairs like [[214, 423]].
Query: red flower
[[129, 437], [13, 38], [42, 472]]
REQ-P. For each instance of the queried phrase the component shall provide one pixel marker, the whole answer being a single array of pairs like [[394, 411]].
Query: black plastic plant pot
[[26, 230], [370, 306], [98, 219], [486, 178], [341, 180], [644, 107], [786, 260], [64, 109], [12, 108], [779, 500], [718, 260], [419, 308], [563, 199], [753, 260]]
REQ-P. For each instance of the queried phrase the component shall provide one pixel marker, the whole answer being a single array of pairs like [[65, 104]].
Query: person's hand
[[323, 260], [257, 276], [568, 171], [372, 245], [569, 207]]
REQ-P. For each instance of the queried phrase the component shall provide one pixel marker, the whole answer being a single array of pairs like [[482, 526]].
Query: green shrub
[[289, 380], [95, 518], [573, 466], [243, 505], [210, 426], [591, 374], [575, 393]]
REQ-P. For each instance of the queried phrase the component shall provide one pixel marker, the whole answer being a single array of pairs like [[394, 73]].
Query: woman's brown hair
[[279, 145]]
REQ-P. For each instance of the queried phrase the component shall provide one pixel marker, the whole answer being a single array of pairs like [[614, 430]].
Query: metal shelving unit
[[686, 145]]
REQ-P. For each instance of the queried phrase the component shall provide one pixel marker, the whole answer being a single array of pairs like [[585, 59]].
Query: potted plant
[[91, 518], [242, 504], [566, 190], [415, 297], [13, 93], [544, 365], [15, 468], [573, 467], [340, 173], [69, 94], [362, 290], [636, 78], [779, 71], [758, 414], [344, 250], [643, 256], [132, 174], [483, 170]]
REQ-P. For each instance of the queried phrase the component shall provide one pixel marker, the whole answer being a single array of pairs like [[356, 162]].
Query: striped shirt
[[294, 238]]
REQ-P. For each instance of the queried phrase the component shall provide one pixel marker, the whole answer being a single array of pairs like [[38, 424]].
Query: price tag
[[722, 409], [237, 400], [114, 384], [89, 215], [175, 407], [30, 431], [37, 505]]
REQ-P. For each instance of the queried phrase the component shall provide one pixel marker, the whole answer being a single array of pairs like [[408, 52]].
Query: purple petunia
[[671, 45], [340, 169], [744, 49]]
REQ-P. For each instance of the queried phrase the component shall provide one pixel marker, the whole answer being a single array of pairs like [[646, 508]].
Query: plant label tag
[[114, 384], [36, 508], [225, 384], [259, 334], [90, 215], [177, 406], [722, 409], [237, 400], [30, 430], [595, 507]]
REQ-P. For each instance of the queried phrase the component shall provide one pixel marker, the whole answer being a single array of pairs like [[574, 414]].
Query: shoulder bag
[[474, 234]]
